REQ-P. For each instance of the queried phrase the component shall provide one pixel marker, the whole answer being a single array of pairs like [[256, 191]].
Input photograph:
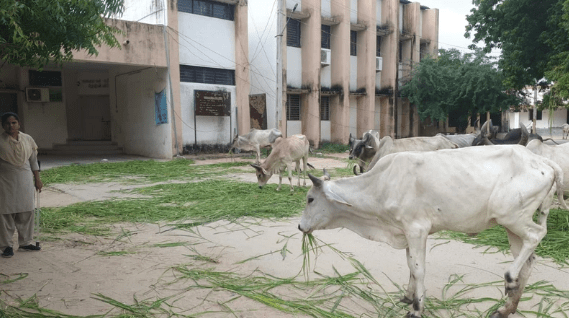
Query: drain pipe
[[166, 44]]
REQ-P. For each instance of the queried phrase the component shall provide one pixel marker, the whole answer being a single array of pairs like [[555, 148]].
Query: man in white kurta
[[18, 169]]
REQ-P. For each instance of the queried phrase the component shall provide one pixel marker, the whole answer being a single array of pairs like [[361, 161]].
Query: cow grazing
[[409, 195], [519, 136], [285, 152], [364, 149], [255, 140], [558, 154], [388, 145], [565, 130]]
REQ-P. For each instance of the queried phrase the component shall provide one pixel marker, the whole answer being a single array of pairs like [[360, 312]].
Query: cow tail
[[559, 183]]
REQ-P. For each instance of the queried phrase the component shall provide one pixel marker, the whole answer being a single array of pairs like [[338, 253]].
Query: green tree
[[465, 84], [558, 41], [35, 32], [521, 29]]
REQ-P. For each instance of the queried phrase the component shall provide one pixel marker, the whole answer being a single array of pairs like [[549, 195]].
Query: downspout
[[166, 44]]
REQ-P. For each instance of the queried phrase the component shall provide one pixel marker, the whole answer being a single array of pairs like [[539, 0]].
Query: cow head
[[486, 131], [263, 175], [322, 205]]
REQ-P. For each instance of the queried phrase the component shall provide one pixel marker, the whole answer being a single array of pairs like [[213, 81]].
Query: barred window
[[293, 33], [378, 46], [208, 8], [325, 108], [539, 114], [293, 107], [206, 75], [353, 43], [45, 78], [326, 31]]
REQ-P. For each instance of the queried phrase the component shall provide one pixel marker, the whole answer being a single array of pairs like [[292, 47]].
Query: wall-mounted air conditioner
[[40, 95], [378, 63], [325, 57]]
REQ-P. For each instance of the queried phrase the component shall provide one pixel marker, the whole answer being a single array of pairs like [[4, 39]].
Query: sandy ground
[[68, 273]]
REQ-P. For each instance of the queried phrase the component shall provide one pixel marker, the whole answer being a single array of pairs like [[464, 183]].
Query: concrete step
[[84, 148]]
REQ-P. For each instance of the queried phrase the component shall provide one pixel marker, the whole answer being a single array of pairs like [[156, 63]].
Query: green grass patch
[[327, 147], [137, 171], [205, 201], [554, 245]]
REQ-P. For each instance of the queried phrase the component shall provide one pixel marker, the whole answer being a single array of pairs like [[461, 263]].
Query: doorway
[[8, 103], [96, 115]]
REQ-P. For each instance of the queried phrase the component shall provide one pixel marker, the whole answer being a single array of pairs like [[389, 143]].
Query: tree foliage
[[35, 32], [466, 84]]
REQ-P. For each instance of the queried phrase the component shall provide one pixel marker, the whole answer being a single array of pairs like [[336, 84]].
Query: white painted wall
[[401, 9], [209, 129], [325, 131], [294, 67], [353, 115], [293, 127], [145, 11], [353, 11], [326, 8], [353, 73], [133, 121], [326, 76], [559, 118], [377, 117], [378, 12], [206, 41], [291, 3]]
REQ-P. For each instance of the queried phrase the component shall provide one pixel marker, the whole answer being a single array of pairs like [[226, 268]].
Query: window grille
[[45, 78], [293, 33], [353, 43], [293, 107], [325, 108], [208, 8], [206, 75], [539, 114], [326, 31], [378, 46]]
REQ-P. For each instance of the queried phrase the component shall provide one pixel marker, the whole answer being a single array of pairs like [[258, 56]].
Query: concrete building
[[342, 64], [168, 88]]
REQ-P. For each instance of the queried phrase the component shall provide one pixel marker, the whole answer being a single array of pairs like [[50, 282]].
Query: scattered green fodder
[[554, 245], [137, 171], [205, 201], [327, 147], [115, 253]]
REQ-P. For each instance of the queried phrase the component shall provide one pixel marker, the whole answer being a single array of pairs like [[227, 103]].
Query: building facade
[[342, 64]]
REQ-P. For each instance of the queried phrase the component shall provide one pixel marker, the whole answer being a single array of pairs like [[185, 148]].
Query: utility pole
[[533, 127], [280, 28]]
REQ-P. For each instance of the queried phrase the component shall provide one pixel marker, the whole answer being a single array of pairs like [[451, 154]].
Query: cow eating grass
[[255, 140], [409, 195]]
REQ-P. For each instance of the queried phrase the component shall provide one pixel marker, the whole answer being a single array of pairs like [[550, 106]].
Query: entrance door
[[96, 112]]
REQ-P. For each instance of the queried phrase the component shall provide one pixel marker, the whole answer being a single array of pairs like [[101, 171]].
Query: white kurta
[[17, 186]]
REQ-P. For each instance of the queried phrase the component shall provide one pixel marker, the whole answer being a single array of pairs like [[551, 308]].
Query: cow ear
[[326, 175], [257, 167], [336, 198], [315, 181]]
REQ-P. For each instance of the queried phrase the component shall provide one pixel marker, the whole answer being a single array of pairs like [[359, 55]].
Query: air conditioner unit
[[325, 57], [378, 64], [40, 95]]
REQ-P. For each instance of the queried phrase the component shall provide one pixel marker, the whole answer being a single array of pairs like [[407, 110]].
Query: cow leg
[[289, 168], [258, 153], [298, 172], [280, 179], [417, 240], [305, 170], [514, 295], [408, 297]]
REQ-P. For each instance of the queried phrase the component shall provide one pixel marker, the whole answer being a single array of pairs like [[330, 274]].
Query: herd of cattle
[[409, 188]]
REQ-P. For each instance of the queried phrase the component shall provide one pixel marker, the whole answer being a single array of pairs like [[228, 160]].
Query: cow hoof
[[411, 315], [497, 314], [406, 300]]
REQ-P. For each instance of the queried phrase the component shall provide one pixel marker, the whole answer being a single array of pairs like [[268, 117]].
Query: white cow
[[388, 145], [461, 140], [410, 195], [255, 140], [557, 153], [565, 130], [285, 152]]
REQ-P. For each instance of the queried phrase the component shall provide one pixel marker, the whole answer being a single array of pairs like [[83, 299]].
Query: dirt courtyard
[[69, 273]]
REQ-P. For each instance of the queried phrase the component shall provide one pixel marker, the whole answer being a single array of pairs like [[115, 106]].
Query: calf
[[285, 152], [255, 140], [409, 195], [565, 130]]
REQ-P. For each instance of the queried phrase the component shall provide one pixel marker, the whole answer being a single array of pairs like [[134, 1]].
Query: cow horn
[[525, 135], [355, 169], [315, 181]]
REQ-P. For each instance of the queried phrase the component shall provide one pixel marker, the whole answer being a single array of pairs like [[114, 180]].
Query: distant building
[[544, 119]]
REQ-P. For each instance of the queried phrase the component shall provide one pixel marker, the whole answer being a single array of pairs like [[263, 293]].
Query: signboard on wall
[[258, 111], [212, 103], [93, 84]]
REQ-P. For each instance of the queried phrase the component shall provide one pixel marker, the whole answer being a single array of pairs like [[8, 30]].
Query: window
[[208, 8], [45, 78], [206, 75], [378, 46], [160, 108], [293, 107], [326, 30], [353, 43], [293, 33], [539, 114], [325, 108]]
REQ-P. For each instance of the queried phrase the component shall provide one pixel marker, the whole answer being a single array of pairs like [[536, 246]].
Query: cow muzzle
[[304, 231]]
